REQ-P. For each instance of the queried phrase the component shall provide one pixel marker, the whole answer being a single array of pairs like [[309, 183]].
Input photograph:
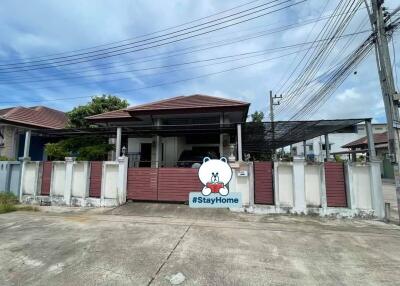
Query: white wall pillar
[[27, 143], [350, 193], [324, 203], [122, 179], [239, 142], [276, 184], [118, 143], [69, 167], [376, 189], [299, 195]]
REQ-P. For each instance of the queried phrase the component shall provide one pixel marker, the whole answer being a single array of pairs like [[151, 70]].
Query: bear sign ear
[[223, 159], [206, 159]]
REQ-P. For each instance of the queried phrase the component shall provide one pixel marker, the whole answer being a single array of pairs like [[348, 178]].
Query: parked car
[[191, 158]]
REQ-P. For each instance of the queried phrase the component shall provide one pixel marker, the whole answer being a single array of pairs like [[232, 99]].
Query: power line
[[219, 44], [144, 35], [156, 43], [164, 83], [241, 56]]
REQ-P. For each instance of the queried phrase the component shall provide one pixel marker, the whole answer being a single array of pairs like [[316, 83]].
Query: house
[[178, 131], [14, 121], [360, 146], [315, 148]]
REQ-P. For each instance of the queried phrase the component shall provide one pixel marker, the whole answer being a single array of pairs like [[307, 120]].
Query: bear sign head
[[215, 175]]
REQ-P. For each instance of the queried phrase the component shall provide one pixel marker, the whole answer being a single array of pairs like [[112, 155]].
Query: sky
[[241, 65]]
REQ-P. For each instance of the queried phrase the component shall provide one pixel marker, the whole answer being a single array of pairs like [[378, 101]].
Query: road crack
[[169, 255]]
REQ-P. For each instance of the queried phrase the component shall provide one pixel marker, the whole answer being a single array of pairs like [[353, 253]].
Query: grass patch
[[7, 208], [9, 203]]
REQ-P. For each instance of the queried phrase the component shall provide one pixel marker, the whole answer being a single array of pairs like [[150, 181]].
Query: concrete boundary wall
[[300, 188], [70, 183]]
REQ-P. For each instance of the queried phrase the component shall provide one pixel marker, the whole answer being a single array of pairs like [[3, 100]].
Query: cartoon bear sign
[[215, 175]]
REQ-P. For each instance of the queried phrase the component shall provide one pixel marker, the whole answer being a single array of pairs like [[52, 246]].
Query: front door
[[145, 155]]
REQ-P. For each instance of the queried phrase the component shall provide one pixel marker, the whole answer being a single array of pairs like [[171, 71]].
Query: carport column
[[69, 167], [221, 136], [27, 143], [158, 143], [376, 188], [305, 149], [370, 138], [239, 142], [122, 178], [327, 151], [299, 195], [118, 143]]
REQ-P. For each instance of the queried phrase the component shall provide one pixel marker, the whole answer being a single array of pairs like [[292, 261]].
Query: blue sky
[[39, 28]]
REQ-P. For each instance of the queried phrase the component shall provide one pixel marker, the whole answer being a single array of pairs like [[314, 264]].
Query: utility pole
[[273, 103], [390, 97]]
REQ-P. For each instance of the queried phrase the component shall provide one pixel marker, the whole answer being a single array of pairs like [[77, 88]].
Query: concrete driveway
[[147, 244]]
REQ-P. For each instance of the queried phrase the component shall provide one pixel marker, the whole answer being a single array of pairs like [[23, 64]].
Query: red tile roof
[[379, 138], [179, 103], [36, 116]]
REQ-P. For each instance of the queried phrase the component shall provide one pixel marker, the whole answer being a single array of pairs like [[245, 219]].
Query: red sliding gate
[[46, 178], [263, 183], [335, 184], [162, 184], [96, 171]]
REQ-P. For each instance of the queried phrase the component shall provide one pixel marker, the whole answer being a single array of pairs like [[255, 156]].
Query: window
[[324, 148], [311, 147]]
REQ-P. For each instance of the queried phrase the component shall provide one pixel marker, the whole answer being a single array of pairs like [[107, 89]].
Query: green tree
[[98, 104], [257, 116], [86, 147]]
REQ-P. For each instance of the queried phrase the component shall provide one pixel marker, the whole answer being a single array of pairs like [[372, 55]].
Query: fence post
[[324, 203], [299, 185], [122, 178], [350, 194]]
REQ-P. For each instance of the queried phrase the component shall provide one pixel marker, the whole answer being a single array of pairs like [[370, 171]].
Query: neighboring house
[[15, 121], [315, 148], [360, 146], [178, 131]]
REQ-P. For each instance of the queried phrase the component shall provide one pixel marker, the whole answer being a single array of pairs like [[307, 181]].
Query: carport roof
[[255, 135]]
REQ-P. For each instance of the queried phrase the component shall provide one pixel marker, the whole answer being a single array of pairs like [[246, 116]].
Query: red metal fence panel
[[263, 183], [96, 170], [142, 184], [335, 184], [175, 184], [46, 178]]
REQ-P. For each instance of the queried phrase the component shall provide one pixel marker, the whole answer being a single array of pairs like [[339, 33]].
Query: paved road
[[146, 244]]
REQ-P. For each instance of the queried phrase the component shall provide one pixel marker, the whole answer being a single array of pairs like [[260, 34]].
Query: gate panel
[[335, 184], [96, 172], [263, 183], [46, 178], [142, 184], [175, 184]]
